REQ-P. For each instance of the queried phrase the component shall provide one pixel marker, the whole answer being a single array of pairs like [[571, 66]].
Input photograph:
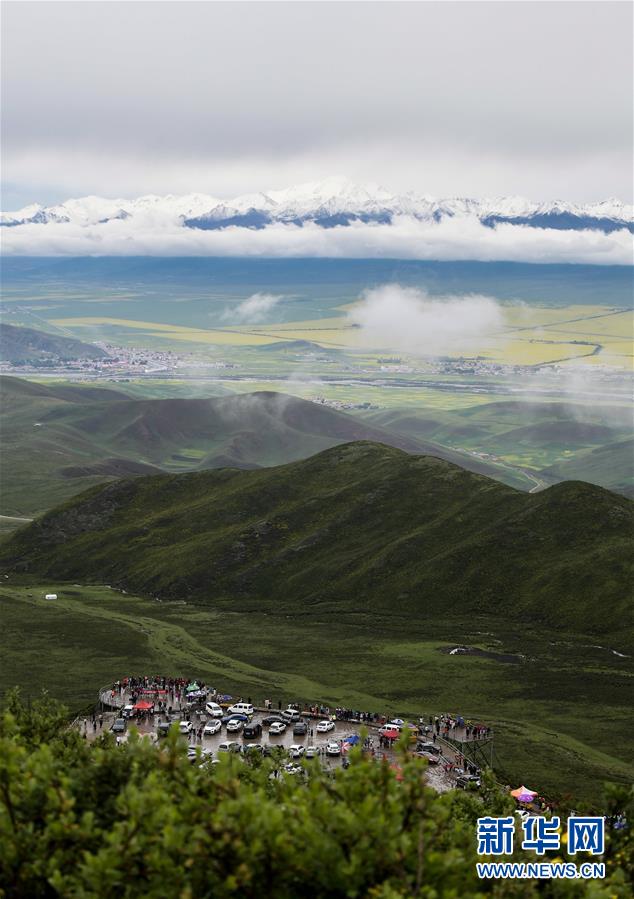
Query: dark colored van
[[252, 731], [428, 747]]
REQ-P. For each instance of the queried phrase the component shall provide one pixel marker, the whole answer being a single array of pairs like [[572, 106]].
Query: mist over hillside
[[60, 439]]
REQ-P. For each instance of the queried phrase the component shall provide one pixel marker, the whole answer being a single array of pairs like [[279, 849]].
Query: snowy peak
[[330, 203]]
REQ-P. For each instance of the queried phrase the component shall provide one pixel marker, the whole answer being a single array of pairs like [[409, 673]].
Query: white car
[[212, 727], [241, 708], [213, 709], [293, 769], [230, 746], [278, 727], [311, 752], [333, 748], [291, 714], [185, 727], [325, 727], [254, 748], [296, 751], [388, 728], [234, 725]]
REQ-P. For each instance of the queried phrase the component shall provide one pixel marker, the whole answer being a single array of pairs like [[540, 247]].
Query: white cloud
[[254, 309], [441, 98], [407, 238], [408, 320]]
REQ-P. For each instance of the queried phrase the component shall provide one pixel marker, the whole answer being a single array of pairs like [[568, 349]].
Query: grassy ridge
[[357, 527]]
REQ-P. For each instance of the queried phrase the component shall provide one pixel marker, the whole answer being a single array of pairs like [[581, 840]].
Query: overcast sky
[[121, 99]]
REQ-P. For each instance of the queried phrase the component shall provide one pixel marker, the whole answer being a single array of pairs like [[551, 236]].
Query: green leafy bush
[[137, 820]]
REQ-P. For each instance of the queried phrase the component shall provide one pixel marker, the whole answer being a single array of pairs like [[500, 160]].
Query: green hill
[[611, 465], [28, 345], [556, 441], [357, 527], [60, 439]]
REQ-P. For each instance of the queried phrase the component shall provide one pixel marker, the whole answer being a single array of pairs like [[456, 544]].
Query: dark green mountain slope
[[358, 527], [58, 440], [19, 344]]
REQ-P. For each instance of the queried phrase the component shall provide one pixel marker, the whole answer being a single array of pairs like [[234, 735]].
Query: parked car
[[431, 748], [429, 757], [185, 727], [163, 728], [311, 752], [333, 748], [296, 751], [230, 746], [278, 727], [237, 716], [234, 725], [241, 708], [300, 729], [118, 726], [128, 711], [293, 769], [212, 727], [468, 782], [388, 728], [325, 727], [213, 709], [270, 719], [291, 714], [254, 747], [252, 731]]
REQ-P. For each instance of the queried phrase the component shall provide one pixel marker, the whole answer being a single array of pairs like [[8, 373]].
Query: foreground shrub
[[100, 820]]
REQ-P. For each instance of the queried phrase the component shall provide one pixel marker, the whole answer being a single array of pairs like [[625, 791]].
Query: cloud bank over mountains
[[331, 218]]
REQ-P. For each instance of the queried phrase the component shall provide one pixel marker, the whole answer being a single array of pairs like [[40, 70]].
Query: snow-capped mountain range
[[332, 203]]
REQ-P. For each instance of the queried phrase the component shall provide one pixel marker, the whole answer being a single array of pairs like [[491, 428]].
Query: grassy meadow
[[559, 712]]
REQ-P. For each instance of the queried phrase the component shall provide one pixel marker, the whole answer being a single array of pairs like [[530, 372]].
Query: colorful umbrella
[[523, 794], [144, 706], [391, 734]]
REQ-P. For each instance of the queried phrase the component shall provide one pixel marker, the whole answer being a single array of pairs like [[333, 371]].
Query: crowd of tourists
[[163, 694]]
